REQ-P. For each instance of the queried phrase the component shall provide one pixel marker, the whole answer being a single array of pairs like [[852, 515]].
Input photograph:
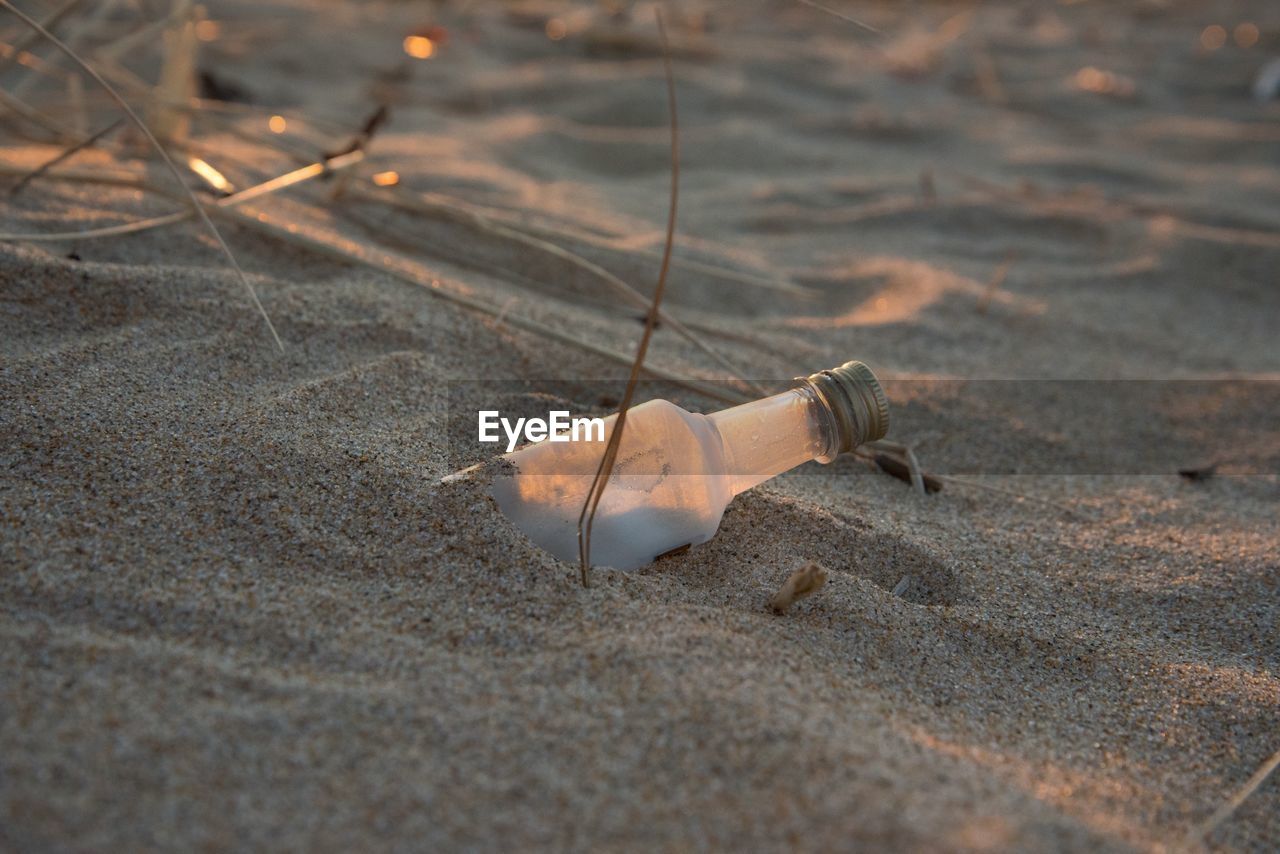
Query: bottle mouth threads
[[856, 401]]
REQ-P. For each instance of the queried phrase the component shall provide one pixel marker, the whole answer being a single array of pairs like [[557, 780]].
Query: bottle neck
[[764, 438]]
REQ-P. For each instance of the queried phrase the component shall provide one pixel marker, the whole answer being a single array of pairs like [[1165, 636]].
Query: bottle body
[[674, 475], [668, 488]]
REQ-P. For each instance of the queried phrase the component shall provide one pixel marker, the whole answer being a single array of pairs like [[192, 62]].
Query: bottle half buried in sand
[[676, 471]]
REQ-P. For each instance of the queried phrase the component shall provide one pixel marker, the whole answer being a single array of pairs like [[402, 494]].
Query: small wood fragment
[[805, 581]]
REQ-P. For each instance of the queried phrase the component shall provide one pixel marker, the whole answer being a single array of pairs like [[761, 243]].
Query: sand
[[240, 610]]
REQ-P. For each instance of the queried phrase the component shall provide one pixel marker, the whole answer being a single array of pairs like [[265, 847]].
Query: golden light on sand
[[215, 178], [1213, 37], [556, 29], [277, 124], [1246, 34], [1090, 79], [208, 31], [419, 47], [386, 179]]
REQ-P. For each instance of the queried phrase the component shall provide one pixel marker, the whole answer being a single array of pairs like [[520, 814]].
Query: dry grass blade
[[21, 45], [614, 244], [89, 176], [1201, 831], [914, 472], [31, 114], [360, 142], [409, 271], [86, 22], [841, 15], [289, 179], [30, 62], [164, 155], [895, 466], [1021, 496], [601, 480], [624, 290], [917, 477], [69, 152], [133, 39], [403, 269]]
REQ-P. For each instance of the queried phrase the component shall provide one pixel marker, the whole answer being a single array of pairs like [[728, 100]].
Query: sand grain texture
[[239, 609]]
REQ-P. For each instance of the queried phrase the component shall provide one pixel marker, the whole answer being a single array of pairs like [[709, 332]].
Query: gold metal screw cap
[[856, 400]]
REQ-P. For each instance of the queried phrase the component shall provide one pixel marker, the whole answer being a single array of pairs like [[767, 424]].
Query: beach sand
[[240, 609]]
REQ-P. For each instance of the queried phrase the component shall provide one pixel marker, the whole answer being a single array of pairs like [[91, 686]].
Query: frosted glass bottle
[[676, 471]]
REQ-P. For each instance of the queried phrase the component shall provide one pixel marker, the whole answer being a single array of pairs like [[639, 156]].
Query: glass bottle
[[676, 471]]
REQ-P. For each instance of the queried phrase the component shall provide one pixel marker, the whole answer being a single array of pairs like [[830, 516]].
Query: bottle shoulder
[[673, 417]]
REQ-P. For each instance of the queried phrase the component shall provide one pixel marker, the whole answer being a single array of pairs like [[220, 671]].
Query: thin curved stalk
[[601, 481]]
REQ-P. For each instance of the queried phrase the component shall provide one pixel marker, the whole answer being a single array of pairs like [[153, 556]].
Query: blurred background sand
[[239, 609]]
